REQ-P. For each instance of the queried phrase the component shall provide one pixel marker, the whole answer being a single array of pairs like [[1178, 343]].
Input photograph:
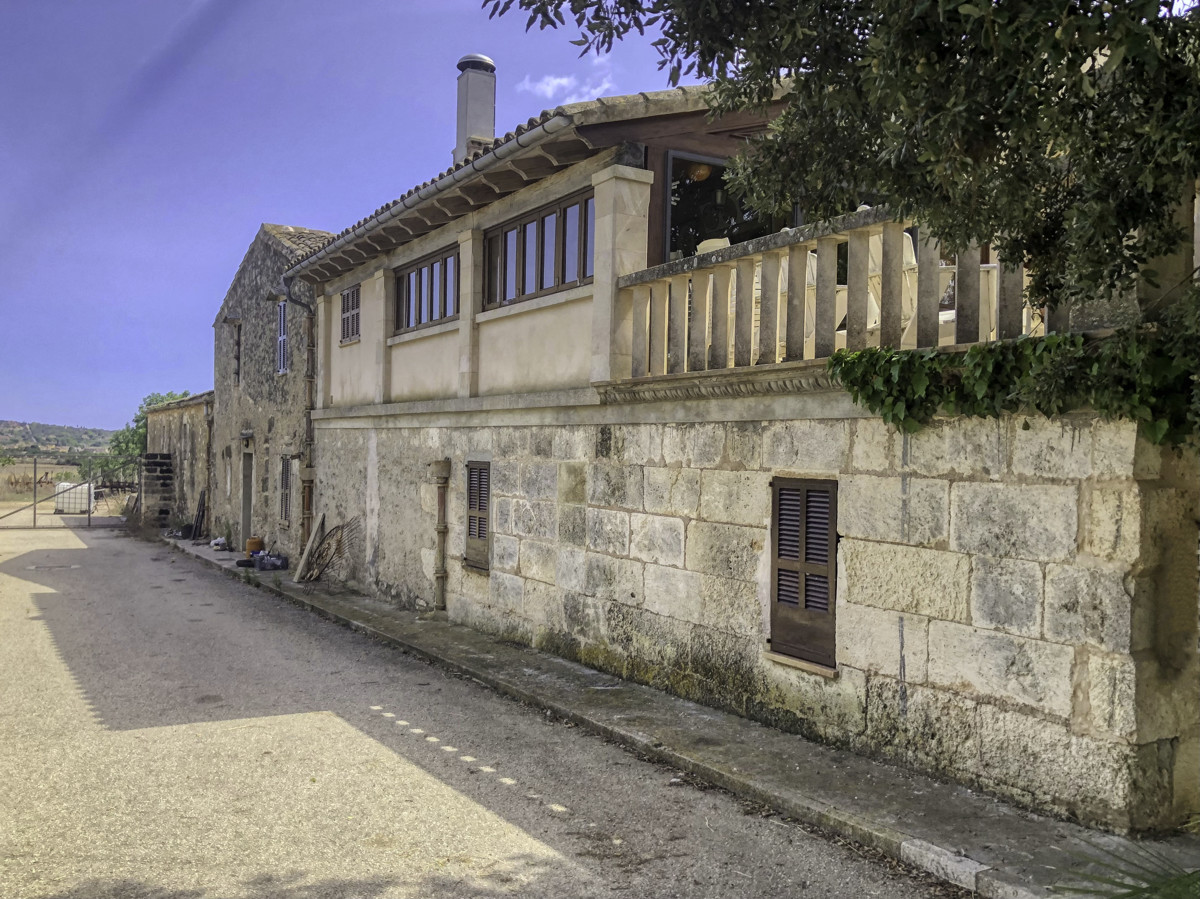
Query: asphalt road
[[168, 732]]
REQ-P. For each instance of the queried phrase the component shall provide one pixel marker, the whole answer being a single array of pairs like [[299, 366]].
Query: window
[[237, 353], [803, 569], [427, 291], [350, 313], [547, 250], [285, 489], [477, 553], [700, 207], [281, 346]]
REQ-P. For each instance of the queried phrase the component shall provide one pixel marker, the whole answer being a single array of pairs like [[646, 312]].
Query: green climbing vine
[[1149, 374]]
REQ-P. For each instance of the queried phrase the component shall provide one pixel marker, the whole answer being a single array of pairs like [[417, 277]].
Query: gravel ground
[[170, 733]]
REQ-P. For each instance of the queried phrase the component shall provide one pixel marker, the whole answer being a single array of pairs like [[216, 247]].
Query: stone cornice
[[765, 380]]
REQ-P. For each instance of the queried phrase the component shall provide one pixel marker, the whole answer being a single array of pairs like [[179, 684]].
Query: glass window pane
[[571, 244], [589, 239], [410, 318], [549, 250], [451, 286], [436, 286], [531, 258], [424, 294], [510, 265]]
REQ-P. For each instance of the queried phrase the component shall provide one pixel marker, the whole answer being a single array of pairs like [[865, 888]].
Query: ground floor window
[[804, 569], [477, 552], [285, 489]]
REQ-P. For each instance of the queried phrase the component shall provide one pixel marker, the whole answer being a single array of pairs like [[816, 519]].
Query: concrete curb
[[1016, 878]]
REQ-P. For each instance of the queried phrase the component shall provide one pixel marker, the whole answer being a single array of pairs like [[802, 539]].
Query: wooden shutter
[[478, 498], [804, 569], [285, 489], [350, 312]]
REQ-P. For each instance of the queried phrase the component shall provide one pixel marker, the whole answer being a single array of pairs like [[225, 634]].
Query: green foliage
[[1133, 872], [1149, 374], [131, 439], [1062, 134], [6, 460]]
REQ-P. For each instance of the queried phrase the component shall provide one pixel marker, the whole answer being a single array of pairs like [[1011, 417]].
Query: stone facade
[[1015, 600], [157, 491], [179, 435], [261, 414]]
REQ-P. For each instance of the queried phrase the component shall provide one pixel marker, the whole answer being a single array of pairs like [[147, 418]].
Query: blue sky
[[142, 142]]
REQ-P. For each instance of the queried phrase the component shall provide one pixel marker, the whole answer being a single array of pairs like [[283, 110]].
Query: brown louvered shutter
[[803, 569], [478, 497], [350, 313]]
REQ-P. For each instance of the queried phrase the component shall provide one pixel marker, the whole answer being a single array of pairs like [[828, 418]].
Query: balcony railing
[[779, 298]]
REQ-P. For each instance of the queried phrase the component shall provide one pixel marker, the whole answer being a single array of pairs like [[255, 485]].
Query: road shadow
[[297, 885]]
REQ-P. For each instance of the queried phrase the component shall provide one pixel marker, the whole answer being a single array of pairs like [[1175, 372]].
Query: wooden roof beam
[[566, 152]]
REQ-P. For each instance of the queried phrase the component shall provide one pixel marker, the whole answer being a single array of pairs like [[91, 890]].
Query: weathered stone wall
[[157, 490], [1016, 601], [258, 409], [181, 431]]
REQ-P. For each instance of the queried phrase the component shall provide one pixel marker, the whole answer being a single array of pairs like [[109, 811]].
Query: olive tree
[[1063, 133]]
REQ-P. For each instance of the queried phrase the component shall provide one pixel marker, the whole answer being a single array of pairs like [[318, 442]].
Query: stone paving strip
[[962, 836]]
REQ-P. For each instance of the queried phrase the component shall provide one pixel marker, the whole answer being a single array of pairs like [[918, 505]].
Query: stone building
[[261, 440], [179, 444], [611, 382]]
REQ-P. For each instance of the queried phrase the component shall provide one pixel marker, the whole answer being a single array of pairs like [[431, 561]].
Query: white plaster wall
[[536, 349], [424, 367]]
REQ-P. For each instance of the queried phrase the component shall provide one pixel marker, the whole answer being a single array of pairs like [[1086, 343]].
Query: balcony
[[797, 295]]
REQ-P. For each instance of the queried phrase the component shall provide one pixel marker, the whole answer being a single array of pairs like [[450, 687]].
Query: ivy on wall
[[1149, 374]]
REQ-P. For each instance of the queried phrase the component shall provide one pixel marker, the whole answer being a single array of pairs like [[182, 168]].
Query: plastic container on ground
[[74, 498]]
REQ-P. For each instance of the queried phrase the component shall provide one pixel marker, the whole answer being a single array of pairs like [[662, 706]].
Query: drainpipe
[[310, 377], [439, 471]]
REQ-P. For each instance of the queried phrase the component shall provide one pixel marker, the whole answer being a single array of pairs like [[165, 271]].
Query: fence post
[[35, 491], [87, 490]]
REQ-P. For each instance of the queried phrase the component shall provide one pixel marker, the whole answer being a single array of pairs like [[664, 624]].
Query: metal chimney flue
[[476, 105]]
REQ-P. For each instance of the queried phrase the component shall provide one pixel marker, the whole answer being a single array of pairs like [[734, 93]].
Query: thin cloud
[[548, 86], [571, 88]]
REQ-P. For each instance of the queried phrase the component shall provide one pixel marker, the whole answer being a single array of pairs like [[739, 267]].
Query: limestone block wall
[[181, 432], [157, 490], [1016, 603], [260, 412]]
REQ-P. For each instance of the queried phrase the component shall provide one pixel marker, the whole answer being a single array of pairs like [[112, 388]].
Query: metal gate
[[101, 491]]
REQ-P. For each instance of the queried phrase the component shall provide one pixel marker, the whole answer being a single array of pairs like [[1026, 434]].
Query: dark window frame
[[477, 549], [403, 323], [803, 584], [496, 260], [237, 353]]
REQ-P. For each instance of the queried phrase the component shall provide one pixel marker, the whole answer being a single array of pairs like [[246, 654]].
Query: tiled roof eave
[[471, 169]]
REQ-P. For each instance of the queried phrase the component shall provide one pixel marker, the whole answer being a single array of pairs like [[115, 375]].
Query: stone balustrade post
[[622, 198]]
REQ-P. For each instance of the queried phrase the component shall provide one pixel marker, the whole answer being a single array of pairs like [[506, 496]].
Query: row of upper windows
[[550, 249]]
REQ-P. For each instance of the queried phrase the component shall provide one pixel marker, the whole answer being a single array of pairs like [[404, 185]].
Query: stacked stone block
[[158, 489], [1016, 601]]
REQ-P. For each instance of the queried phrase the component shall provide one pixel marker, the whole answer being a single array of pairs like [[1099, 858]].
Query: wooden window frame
[[478, 537], [281, 345], [496, 267], [352, 314], [285, 489], [806, 627], [437, 317]]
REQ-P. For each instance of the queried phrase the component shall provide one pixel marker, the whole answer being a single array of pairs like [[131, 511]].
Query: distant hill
[[24, 437]]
